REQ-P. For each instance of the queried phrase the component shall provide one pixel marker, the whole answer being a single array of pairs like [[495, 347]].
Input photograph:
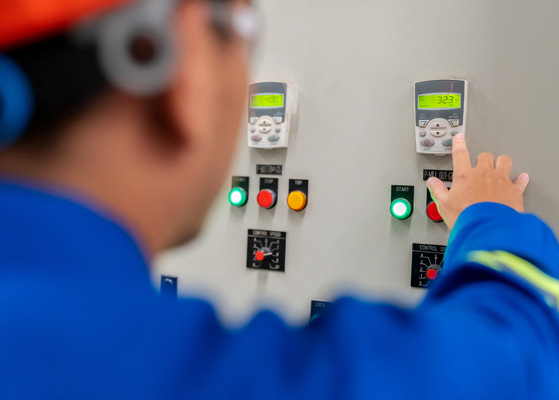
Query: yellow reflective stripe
[[506, 262]]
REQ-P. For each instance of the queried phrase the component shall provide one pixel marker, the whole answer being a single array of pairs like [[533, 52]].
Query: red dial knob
[[263, 254], [432, 273], [267, 198], [433, 212]]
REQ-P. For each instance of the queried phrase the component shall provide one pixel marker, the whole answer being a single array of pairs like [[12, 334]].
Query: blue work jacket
[[80, 319]]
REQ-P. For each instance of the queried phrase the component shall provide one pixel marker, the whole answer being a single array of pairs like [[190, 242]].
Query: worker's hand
[[489, 181]]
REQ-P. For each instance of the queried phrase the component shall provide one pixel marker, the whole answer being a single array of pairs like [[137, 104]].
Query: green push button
[[238, 197], [400, 209]]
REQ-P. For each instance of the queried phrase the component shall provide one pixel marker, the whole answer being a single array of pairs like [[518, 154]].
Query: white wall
[[355, 62]]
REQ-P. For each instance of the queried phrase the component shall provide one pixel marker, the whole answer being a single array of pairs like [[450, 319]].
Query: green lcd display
[[439, 101], [269, 100]]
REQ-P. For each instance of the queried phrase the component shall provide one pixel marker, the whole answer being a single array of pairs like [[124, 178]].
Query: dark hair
[[65, 77]]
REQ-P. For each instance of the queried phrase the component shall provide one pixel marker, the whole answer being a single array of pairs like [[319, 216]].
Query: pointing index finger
[[460, 153]]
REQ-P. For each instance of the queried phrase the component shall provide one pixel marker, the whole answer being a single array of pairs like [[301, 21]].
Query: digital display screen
[[268, 100], [439, 101]]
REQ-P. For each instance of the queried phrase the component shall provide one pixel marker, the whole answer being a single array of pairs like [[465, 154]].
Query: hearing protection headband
[[136, 52]]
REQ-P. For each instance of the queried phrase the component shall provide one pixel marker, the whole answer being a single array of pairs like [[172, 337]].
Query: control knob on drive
[[433, 272], [264, 254]]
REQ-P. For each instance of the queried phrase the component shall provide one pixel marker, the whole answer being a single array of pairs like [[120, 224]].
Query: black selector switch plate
[[169, 286], [242, 182], [318, 308], [298, 197], [269, 183], [403, 192], [429, 197], [427, 264], [266, 250], [431, 209], [268, 194], [402, 195], [302, 185]]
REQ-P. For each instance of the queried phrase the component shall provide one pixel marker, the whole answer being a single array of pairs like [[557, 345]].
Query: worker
[[118, 122]]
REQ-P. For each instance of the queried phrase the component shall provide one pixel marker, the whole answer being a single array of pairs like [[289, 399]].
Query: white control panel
[[271, 106], [440, 114], [353, 138]]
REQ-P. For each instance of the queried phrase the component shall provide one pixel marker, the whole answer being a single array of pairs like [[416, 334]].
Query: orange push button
[[297, 200]]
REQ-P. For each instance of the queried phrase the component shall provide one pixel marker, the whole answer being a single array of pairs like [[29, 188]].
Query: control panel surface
[[354, 138]]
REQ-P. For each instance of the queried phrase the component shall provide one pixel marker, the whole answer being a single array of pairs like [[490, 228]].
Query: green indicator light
[[238, 197], [400, 209]]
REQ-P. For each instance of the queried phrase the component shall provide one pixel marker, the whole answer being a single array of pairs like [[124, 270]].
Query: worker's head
[[136, 104]]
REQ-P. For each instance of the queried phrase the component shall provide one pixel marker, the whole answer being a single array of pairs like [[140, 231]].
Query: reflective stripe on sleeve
[[506, 262]]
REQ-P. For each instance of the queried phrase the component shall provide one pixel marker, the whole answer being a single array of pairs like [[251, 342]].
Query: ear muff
[[16, 101], [136, 47]]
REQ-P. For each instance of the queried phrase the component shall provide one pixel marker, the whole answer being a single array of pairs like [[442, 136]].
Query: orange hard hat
[[25, 20]]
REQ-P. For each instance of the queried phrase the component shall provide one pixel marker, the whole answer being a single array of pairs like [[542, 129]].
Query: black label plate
[[443, 175], [273, 240], [169, 286], [264, 169], [425, 257], [318, 308]]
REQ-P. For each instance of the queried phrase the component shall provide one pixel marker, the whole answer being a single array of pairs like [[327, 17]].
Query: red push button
[[266, 198], [433, 212], [432, 274]]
